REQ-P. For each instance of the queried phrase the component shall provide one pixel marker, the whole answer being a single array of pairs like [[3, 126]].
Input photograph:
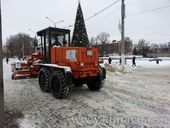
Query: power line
[[147, 11], [97, 12], [115, 10], [101, 10], [103, 18]]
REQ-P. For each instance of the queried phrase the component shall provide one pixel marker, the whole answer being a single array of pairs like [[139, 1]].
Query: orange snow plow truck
[[61, 66]]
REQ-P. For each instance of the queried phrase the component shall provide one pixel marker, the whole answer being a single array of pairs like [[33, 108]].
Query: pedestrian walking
[[7, 60], [134, 61], [120, 61], [110, 60]]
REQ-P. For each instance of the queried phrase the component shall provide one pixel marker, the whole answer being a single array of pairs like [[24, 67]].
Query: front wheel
[[44, 79]]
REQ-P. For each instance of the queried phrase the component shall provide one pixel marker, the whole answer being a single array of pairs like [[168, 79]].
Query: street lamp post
[[1, 77], [53, 21], [35, 38], [31, 31]]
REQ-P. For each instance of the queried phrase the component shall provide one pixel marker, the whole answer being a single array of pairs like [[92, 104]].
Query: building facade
[[113, 48]]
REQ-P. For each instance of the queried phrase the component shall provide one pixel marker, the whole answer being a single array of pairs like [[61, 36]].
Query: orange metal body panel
[[81, 64]]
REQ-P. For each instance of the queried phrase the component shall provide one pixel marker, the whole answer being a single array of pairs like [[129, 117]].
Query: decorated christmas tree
[[80, 38]]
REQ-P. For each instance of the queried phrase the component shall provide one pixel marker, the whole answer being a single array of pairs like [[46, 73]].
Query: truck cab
[[50, 37]]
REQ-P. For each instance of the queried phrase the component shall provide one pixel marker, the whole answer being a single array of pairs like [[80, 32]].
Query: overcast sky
[[154, 26]]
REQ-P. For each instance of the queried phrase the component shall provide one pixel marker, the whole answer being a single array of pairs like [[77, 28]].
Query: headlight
[[81, 64]]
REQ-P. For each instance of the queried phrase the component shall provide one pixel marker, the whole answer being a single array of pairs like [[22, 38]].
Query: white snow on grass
[[144, 63]]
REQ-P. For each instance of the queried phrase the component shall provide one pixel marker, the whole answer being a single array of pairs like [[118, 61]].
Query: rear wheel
[[44, 79], [96, 83], [59, 86]]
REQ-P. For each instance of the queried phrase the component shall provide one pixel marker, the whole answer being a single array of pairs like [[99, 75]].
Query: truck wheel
[[59, 86], [96, 83], [44, 79], [78, 83]]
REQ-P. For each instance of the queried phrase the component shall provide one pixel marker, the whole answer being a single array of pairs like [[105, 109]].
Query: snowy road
[[138, 98]]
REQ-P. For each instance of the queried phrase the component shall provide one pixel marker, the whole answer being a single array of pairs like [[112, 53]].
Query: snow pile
[[110, 68], [117, 68]]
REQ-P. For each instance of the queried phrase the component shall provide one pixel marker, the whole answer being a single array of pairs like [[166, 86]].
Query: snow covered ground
[[139, 97]]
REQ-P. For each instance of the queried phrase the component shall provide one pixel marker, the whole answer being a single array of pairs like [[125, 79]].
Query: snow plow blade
[[27, 68], [21, 70], [19, 74]]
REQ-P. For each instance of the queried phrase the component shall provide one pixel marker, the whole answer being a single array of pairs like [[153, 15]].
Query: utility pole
[[23, 50], [1, 77], [123, 34]]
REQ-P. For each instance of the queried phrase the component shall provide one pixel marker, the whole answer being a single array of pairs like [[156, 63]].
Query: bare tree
[[142, 43], [164, 47], [143, 47], [20, 44], [103, 38]]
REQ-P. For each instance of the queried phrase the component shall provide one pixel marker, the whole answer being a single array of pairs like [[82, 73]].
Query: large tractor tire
[[44, 79], [59, 86], [96, 83]]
